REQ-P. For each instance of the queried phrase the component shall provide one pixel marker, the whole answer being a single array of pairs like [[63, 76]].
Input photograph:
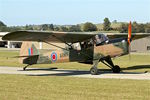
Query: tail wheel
[[94, 71], [116, 69]]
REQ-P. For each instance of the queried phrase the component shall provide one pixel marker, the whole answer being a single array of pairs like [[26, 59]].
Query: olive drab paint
[[82, 47]]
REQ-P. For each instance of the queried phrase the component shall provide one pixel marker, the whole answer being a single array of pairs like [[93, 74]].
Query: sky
[[66, 12]]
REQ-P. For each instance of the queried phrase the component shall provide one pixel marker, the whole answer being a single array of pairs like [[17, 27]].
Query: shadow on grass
[[137, 67], [39, 69], [63, 72]]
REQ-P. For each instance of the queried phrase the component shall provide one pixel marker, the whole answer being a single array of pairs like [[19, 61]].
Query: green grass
[[20, 87], [7, 58], [137, 63]]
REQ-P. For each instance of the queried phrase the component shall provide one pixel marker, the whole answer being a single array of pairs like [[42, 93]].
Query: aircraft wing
[[134, 36], [64, 37]]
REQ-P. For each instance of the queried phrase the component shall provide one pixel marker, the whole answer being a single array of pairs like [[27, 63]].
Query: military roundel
[[53, 56]]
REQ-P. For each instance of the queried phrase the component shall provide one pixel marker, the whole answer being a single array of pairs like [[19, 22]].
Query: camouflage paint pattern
[[111, 49], [36, 57], [85, 55], [117, 46]]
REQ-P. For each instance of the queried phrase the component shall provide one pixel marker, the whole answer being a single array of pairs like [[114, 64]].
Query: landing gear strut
[[24, 68], [116, 69], [108, 62], [94, 70]]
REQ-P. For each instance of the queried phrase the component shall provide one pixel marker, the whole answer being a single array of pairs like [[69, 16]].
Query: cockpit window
[[82, 45], [87, 44], [76, 46], [101, 39]]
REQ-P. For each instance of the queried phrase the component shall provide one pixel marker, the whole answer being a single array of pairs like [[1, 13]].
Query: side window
[[101, 39], [87, 44], [77, 46]]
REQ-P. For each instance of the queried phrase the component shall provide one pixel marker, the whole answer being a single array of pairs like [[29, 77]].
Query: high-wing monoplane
[[83, 47]]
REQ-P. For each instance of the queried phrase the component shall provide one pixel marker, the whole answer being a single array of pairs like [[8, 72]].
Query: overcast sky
[[22, 12]]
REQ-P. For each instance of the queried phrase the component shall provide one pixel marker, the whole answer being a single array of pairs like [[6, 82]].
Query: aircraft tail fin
[[28, 49], [28, 53]]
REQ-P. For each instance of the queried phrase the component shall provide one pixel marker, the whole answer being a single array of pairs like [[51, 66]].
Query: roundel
[[54, 56]]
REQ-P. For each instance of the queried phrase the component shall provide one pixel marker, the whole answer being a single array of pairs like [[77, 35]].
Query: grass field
[[22, 87]]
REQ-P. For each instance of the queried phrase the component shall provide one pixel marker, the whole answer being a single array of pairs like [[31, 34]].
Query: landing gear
[[108, 62], [94, 70], [24, 68], [116, 69]]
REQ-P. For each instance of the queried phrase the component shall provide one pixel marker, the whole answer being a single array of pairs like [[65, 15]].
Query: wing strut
[[62, 47], [62, 41], [55, 45]]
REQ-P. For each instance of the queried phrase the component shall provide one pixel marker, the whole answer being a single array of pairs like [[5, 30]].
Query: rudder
[[28, 53]]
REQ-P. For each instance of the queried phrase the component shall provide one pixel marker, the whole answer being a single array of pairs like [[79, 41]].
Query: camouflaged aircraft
[[83, 47]]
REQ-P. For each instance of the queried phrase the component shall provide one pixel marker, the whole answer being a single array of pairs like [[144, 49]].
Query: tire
[[94, 71], [24, 69], [116, 69]]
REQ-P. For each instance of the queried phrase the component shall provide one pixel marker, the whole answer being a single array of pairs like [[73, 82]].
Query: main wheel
[[94, 71], [116, 69], [24, 68]]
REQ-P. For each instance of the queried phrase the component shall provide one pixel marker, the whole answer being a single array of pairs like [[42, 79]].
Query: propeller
[[129, 38]]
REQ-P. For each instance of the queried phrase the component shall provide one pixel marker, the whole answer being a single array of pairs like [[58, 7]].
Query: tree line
[[86, 27], [136, 28]]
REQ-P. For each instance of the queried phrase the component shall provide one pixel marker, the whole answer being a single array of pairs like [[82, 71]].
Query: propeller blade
[[129, 33], [129, 38]]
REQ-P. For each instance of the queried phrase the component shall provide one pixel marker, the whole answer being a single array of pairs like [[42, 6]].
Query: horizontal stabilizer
[[24, 56]]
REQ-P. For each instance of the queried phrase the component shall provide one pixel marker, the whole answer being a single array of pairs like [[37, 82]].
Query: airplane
[[83, 47]]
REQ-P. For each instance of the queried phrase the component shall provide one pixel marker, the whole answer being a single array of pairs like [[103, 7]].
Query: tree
[[106, 24], [63, 29], [28, 27], [2, 24], [45, 27], [51, 27], [74, 28], [13, 28], [147, 28], [115, 21], [123, 28], [56, 29], [89, 27], [141, 28], [135, 27], [3, 27], [138, 28]]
